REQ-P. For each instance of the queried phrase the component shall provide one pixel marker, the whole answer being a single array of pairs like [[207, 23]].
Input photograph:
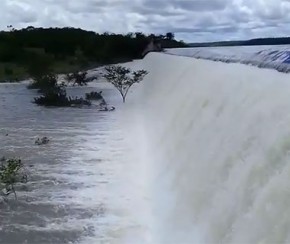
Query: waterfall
[[218, 148]]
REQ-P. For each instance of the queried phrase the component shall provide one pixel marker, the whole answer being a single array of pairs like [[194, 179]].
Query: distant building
[[153, 46]]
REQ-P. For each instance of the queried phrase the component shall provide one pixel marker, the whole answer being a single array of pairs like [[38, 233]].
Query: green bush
[[94, 95], [77, 78], [57, 97], [54, 93], [43, 82], [11, 173]]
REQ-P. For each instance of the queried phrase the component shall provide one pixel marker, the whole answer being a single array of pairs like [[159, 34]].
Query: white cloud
[[191, 20]]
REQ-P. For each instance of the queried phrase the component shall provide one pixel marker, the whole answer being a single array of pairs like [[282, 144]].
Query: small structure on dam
[[153, 46]]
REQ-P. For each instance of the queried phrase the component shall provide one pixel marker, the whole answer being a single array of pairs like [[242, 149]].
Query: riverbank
[[12, 73]]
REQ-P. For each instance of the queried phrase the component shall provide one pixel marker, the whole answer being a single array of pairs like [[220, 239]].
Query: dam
[[217, 148]]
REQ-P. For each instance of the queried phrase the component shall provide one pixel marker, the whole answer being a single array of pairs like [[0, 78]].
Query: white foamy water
[[218, 148], [274, 57]]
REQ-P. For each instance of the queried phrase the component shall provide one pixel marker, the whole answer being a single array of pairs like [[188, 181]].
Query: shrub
[[53, 97], [54, 94], [43, 82], [11, 173], [94, 95], [59, 98], [77, 78]]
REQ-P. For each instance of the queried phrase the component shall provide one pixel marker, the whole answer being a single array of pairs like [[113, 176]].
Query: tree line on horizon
[[71, 49]]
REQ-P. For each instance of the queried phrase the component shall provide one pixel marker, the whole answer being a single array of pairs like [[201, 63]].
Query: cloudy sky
[[190, 20]]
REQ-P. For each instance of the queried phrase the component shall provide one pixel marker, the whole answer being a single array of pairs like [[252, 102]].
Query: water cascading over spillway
[[218, 149], [274, 57]]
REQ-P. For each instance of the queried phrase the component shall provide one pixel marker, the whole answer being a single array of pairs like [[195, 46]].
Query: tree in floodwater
[[53, 93], [11, 173], [77, 78], [123, 78]]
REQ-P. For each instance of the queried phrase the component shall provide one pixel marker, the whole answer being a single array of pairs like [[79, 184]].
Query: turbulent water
[[274, 57], [219, 150], [77, 190]]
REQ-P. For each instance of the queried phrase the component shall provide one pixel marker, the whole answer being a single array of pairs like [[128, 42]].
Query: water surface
[[65, 198]]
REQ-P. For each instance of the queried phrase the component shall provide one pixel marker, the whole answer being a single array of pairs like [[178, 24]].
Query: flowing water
[[274, 57], [199, 154], [219, 150], [76, 188]]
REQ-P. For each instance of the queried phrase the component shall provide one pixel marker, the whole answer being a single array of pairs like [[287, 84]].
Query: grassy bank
[[10, 72]]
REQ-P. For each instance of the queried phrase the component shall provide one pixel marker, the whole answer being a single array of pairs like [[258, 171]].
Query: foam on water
[[218, 146], [274, 57]]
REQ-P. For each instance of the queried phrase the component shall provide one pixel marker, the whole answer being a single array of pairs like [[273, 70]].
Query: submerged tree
[[43, 82], [11, 173], [77, 78], [53, 92], [123, 78]]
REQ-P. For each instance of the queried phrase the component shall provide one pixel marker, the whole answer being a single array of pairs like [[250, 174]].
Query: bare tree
[[123, 78]]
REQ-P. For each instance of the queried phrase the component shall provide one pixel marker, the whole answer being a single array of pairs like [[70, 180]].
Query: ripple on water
[[64, 198]]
